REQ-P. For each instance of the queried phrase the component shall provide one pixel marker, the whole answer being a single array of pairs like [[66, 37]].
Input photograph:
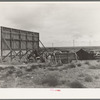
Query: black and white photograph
[[50, 45]]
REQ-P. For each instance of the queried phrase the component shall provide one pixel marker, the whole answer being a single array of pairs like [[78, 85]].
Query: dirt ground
[[81, 74]]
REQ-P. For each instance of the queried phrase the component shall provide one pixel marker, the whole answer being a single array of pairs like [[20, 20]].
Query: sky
[[58, 23]]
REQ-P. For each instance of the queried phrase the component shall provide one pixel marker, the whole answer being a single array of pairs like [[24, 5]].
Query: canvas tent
[[84, 55]]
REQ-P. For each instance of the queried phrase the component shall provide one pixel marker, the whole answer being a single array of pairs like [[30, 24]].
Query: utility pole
[[74, 45], [52, 45], [89, 43]]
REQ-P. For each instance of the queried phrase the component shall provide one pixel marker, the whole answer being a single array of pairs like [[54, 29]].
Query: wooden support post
[[42, 45], [20, 45], [67, 57], [1, 45], [25, 53], [11, 44], [32, 42], [26, 43], [38, 43], [16, 55], [6, 55]]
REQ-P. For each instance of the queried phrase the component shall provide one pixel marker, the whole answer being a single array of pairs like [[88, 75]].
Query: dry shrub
[[88, 79], [97, 67], [52, 68], [59, 64], [63, 82], [81, 75], [49, 78], [9, 70], [30, 68], [79, 64], [96, 77], [1, 68], [35, 66], [87, 62], [72, 65], [18, 73], [94, 67], [16, 62], [64, 67], [76, 84], [22, 68], [40, 66]]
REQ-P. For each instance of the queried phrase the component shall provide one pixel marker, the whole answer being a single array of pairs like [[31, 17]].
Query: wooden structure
[[65, 57], [16, 42]]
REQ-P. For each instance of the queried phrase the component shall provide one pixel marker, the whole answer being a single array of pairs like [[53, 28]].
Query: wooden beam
[[26, 43], [16, 55], [1, 44], [6, 56], [11, 44], [26, 53], [20, 45], [43, 45], [33, 42]]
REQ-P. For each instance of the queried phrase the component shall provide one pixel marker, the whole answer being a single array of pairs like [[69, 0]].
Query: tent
[[84, 55]]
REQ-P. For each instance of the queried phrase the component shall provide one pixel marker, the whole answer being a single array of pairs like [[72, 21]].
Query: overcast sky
[[57, 23]]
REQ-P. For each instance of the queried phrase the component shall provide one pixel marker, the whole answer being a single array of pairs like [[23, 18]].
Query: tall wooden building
[[16, 42]]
